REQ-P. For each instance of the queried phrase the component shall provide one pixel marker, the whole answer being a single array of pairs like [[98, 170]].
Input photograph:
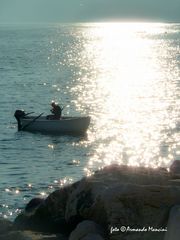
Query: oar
[[27, 125], [28, 114]]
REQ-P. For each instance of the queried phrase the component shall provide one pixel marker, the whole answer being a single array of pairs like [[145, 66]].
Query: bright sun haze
[[129, 95]]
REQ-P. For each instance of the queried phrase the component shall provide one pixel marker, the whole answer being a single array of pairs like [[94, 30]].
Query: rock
[[89, 190], [47, 216], [5, 225], [139, 206], [173, 227], [16, 235], [92, 236], [33, 205], [86, 228], [28, 235], [115, 196], [175, 169], [86, 199], [124, 196], [175, 182]]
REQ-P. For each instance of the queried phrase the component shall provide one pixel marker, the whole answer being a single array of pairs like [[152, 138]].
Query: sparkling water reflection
[[124, 75], [134, 97]]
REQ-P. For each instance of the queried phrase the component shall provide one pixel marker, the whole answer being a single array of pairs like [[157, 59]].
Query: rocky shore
[[115, 203]]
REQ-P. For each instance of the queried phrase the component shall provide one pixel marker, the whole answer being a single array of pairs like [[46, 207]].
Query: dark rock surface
[[29, 235], [175, 169], [173, 226], [5, 225], [87, 229], [48, 216], [127, 203]]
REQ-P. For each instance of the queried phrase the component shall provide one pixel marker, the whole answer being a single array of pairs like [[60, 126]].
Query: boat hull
[[66, 125]]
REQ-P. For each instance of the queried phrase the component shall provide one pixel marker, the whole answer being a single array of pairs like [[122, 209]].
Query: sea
[[124, 75]]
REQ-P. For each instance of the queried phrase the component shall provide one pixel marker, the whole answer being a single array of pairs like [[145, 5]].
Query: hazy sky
[[88, 10]]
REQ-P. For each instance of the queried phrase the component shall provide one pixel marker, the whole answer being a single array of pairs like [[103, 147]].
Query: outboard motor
[[18, 115]]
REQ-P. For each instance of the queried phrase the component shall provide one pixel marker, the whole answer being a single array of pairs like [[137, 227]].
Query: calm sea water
[[126, 76]]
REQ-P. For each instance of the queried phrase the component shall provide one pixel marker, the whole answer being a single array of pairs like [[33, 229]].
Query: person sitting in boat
[[56, 111]]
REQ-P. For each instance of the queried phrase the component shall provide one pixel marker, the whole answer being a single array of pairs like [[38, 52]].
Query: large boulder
[[175, 169], [86, 198], [114, 197], [46, 215], [125, 196], [87, 229], [5, 225], [173, 226], [7, 232]]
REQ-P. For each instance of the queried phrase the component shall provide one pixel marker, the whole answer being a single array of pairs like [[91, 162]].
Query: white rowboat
[[64, 125]]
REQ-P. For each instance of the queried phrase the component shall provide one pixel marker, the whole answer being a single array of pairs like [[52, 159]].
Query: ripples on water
[[125, 76]]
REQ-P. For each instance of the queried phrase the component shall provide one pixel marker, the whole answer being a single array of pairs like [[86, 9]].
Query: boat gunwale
[[63, 119]]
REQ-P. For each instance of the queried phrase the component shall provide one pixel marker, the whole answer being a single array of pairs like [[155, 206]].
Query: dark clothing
[[56, 111]]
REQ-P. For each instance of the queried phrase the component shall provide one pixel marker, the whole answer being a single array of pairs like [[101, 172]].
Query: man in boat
[[56, 111]]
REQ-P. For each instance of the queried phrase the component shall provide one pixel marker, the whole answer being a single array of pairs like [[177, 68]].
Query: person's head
[[53, 103]]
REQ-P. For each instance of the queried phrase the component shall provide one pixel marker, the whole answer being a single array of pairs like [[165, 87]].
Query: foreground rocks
[[117, 202], [173, 226], [87, 230]]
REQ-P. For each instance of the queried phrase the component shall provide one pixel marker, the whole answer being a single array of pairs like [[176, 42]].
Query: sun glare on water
[[129, 93]]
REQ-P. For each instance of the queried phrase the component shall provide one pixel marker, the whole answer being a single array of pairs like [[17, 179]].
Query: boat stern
[[18, 115]]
